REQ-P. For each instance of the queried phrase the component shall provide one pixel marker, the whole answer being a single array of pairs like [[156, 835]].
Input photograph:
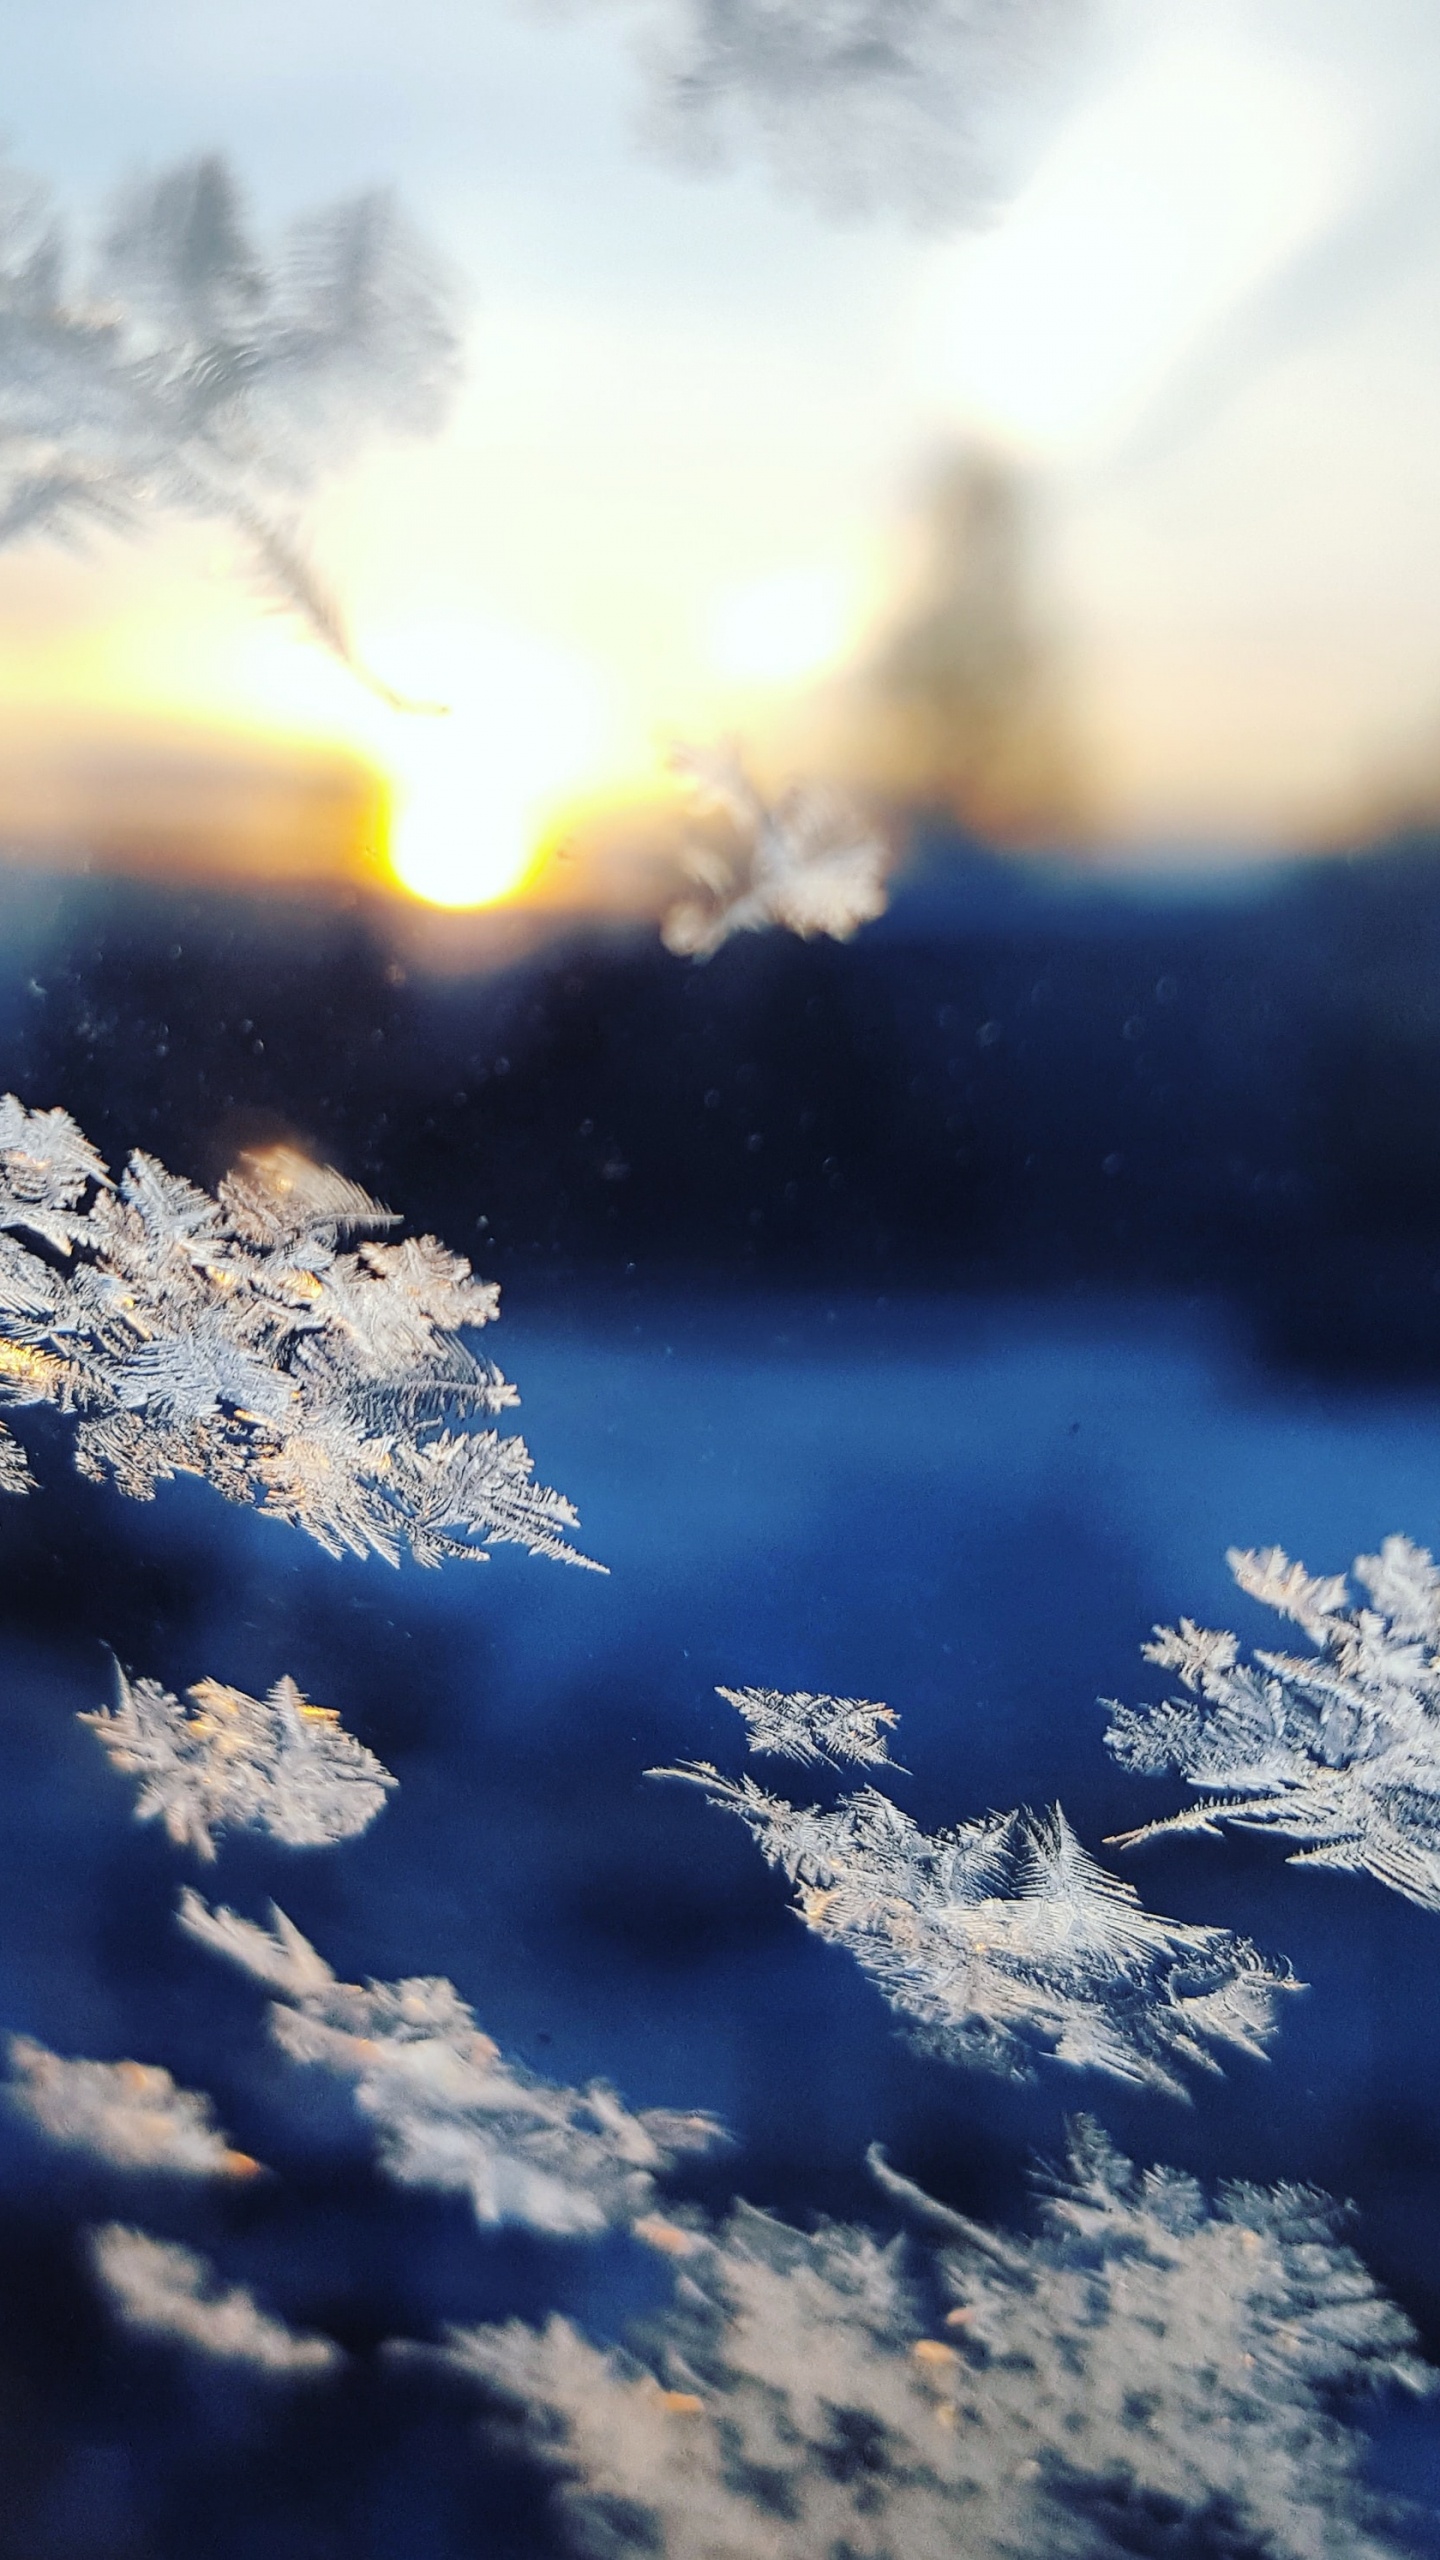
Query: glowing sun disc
[[474, 791]]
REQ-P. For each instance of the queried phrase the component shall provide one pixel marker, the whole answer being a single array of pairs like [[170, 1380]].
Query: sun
[[466, 813], [476, 786]]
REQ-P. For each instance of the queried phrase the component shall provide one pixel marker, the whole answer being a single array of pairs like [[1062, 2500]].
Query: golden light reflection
[[471, 798]]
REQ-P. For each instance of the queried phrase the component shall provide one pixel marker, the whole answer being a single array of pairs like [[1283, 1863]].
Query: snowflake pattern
[[798, 1725], [810, 862], [172, 2293], [1149, 2372], [275, 1764], [232, 1338], [857, 104], [129, 2114], [449, 2110], [1340, 1749], [1001, 1939]]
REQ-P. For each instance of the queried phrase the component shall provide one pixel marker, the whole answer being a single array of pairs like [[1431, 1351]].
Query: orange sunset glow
[[696, 505]]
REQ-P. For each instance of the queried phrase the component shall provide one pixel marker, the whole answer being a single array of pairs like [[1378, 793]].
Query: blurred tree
[[962, 707]]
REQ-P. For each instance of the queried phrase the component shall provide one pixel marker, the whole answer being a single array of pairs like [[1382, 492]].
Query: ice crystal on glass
[[859, 104], [233, 1338], [1339, 1748], [1151, 2372], [218, 1759], [809, 862], [186, 374], [1001, 1940], [448, 2108], [799, 1725], [166, 2291], [129, 2114]]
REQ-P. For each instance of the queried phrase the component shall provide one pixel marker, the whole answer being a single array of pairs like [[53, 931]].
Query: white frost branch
[[799, 1725], [1149, 2372], [186, 374], [275, 1764], [232, 1338], [449, 2110], [1001, 1940], [1340, 1748], [861, 105], [169, 2292], [810, 862], [129, 2114]]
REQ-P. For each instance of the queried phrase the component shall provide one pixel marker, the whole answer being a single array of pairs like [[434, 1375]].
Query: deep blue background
[[943, 1472]]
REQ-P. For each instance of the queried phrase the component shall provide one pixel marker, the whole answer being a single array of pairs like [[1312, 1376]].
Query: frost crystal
[[129, 2114], [802, 1726], [449, 2110], [231, 1338], [810, 862], [170, 2292], [1340, 1748], [1149, 2373], [185, 376], [1002, 1940], [275, 1764], [856, 103]]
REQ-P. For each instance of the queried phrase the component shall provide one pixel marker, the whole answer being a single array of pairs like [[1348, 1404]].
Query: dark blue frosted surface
[[975, 1511]]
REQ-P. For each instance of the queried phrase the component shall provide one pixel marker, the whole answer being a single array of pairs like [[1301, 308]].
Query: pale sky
[[1208, 321]]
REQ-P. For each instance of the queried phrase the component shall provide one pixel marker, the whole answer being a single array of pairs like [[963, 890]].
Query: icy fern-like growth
[[1001, 1940], [129, 2114], [858, 104], [810, 862], [1339, 1748], [798, 1725], [185, 373], [449, 2110], [275, 1764], [169, 2292], [232, 1338], [1150, 2373]]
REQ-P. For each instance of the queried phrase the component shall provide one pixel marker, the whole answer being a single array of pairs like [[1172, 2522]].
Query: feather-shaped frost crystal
[[219, 1759], [173, 2293], [131, 2115], [1001, 1940], [809, 862], [799, 1725], [449, 2110], [857, 104], [234, 1338], [1339, 1748], [1149, 2372], [186, 375]]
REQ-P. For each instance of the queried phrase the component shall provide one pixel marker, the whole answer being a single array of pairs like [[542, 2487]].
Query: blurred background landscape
[[1094, 424]]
